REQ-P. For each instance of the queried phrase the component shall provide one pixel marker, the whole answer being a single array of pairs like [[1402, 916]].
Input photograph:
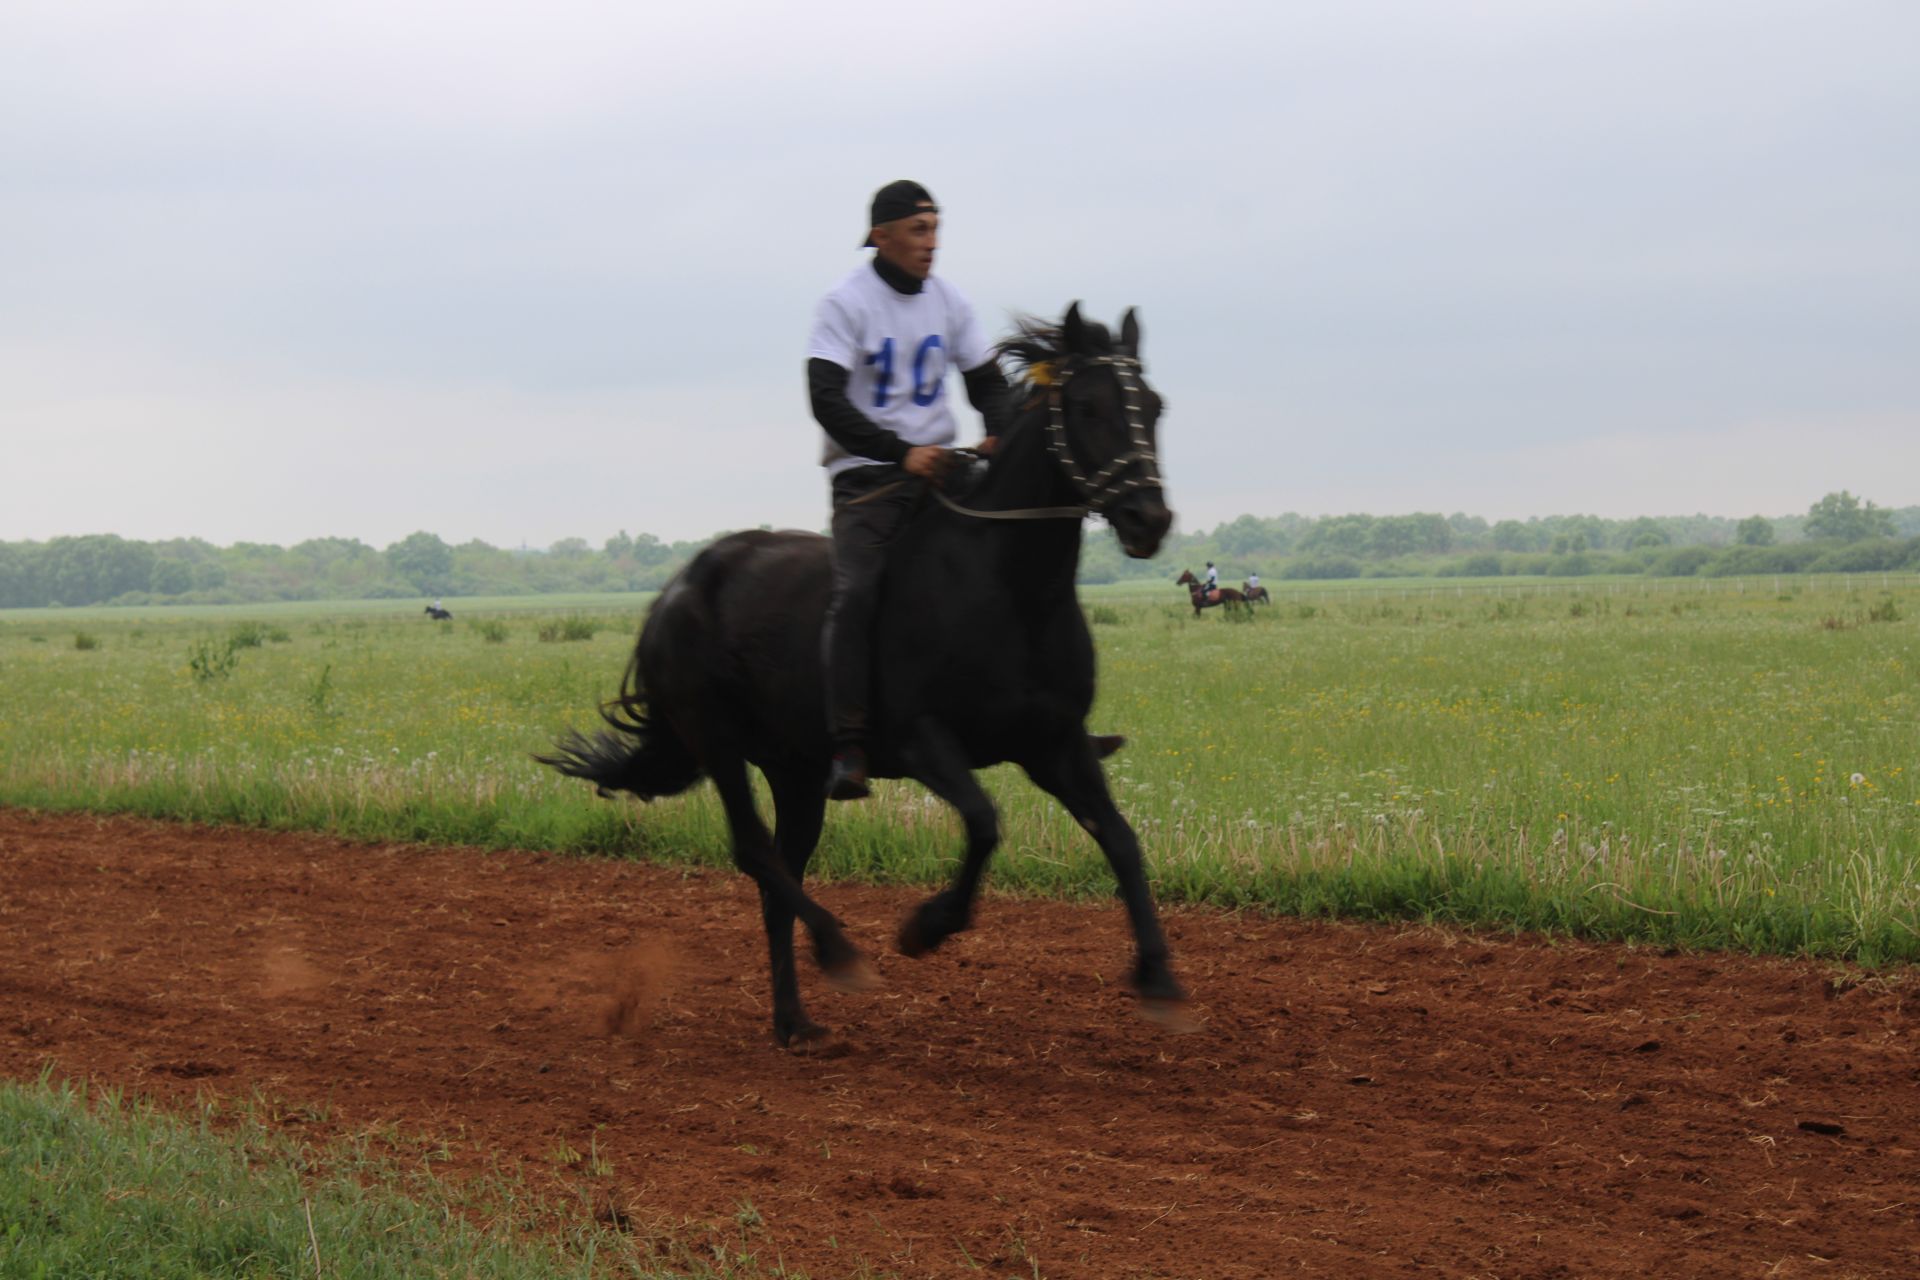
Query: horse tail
[[638, 752]]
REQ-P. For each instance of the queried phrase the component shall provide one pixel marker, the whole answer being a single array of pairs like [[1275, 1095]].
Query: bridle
[[1112, 482], [1108, 487]]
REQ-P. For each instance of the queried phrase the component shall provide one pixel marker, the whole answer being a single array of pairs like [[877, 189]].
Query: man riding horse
[[877, 360], [882, 340]]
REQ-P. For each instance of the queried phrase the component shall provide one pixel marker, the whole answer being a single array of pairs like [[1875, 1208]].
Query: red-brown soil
[[1361, 1100]]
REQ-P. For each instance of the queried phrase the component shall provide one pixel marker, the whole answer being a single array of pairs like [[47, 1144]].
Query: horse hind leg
[[798, 811], [781, 895]]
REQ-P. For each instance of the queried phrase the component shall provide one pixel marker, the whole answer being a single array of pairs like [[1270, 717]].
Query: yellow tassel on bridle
[[1040, 375]]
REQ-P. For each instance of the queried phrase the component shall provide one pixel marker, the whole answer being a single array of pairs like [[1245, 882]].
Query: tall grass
[[1616, 759]]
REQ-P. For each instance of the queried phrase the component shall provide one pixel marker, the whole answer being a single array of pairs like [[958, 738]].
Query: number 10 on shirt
[[924, 393]]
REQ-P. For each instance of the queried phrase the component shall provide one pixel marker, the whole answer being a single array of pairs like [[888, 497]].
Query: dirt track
[[1362, 1100]]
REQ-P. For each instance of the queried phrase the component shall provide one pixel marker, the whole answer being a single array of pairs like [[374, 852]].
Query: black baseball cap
[[901, 199]]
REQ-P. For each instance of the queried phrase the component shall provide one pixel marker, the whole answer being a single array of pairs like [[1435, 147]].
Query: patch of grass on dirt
[[97, 1185]]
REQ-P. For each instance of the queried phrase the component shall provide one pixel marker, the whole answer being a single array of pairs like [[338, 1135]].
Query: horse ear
[[1073, 330], [1130, 335]]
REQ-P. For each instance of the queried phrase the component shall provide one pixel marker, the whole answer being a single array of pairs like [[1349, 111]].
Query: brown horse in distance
[[1204, 599]]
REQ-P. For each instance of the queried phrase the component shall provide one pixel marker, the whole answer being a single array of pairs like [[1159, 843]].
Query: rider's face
[[908, 243]]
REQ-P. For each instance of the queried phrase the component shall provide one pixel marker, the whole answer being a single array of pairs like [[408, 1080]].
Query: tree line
[[106, 569], [1838, 534]]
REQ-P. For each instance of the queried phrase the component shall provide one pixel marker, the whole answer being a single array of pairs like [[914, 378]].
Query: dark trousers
[[867, 516]]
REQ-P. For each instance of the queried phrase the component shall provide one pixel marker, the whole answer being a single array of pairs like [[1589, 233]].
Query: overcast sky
[[520, 272]]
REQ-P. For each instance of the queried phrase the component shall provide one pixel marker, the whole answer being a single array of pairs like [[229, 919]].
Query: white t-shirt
[[898, 348]]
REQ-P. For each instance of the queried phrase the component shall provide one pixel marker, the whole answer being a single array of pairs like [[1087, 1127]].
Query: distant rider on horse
[[877, 360]]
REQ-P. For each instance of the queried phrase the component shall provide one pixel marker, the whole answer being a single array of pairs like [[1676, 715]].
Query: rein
[[1105, 488], [1020, 513]]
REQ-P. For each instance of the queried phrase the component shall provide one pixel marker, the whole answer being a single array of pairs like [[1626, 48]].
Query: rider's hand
[[985, 447], [928, 461]]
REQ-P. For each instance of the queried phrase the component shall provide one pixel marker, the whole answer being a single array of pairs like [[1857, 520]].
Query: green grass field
[[101, 1185], [1711, 764]]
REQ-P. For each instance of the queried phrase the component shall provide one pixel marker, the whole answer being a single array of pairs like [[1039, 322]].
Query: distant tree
[[570, 549], [1645, 532], [1512, 535], [1248, 536], [423, 561], [649, 550], [340, 568], [1755, 531], [618, 546], [1433, 532], [1394, 536], [1346, 535], [1843, 518], [19, 576], [1321, 567], [171, 577], [1469, 532], [1585, 533], [1681, 562], [191, 550], [97, 567]]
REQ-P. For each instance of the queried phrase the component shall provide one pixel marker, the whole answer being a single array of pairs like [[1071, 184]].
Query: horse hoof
[[912, 942], [932, 923], [802, 1035], [855, 976], [922, 932], [1175, 1016]]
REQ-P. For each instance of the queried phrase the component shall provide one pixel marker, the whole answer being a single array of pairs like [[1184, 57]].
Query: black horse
[[982, 656], [436, 612]]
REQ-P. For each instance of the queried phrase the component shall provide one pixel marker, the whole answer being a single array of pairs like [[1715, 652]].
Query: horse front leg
[[1072, 775], [936, 760]]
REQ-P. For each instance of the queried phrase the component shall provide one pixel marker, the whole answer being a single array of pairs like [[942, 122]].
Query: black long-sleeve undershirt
[[987, 391], [851, 429], [862, 437]]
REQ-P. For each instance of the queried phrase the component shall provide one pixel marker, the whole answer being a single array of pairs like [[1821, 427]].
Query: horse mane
[[1036, 342]]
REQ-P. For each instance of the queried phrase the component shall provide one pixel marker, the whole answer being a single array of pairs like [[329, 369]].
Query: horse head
[[1102, 422]]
